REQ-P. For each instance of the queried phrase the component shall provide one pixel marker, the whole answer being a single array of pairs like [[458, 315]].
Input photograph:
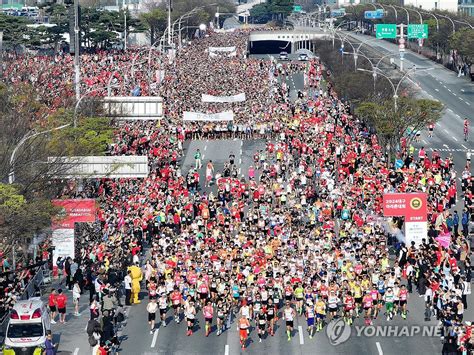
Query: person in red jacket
[[61, 300]]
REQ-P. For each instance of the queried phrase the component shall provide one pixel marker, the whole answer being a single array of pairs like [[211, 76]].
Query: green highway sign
[[418, 31], [383, 30], [297, 8]]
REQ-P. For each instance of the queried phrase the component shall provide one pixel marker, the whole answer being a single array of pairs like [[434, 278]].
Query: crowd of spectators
[[306, 216]]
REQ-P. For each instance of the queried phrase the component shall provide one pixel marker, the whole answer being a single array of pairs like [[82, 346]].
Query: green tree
[[463, 41], [155, 22], [13, 28], [391, 125]]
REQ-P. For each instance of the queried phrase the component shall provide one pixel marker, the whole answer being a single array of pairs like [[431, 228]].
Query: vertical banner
[[412, 206], [71, 211]]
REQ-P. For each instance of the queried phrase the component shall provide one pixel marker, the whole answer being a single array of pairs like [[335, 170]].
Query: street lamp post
[[27, 136], [395, 88], [77, 50]]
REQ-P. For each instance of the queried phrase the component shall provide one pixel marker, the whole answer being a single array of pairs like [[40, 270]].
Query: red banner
[[412, 206], [72, 211]]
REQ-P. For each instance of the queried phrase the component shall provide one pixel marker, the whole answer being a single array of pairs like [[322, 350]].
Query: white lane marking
[[300, 332], [443, 129], [460, 98], [226, 349], [85, 329], [379, 348], [437, 90], [462, 90], [468, 103], [455, 138], [155, 336], [458, 116], [205, 147], [450, 110], [204, 155], [76, 351], [449, 90], [445, 145], [241, 143], [462, 145], [424, 142], [455, 94]]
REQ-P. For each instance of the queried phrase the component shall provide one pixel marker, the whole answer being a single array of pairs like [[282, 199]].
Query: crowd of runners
[[297, 235]]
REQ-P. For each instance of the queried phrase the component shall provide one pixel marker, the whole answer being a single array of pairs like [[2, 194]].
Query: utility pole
[[77, 50], [169, 22], [124, 26], [401, 46], [1, 55]]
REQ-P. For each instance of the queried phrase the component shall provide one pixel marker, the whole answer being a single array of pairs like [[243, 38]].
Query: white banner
[[222, 49], [63, 243], [228, 55], [210, 117], [223, 99], [223, 30]]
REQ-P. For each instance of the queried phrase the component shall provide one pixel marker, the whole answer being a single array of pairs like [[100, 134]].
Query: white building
[[448, 5]]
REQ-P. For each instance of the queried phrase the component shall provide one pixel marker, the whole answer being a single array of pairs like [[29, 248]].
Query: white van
[[28, 326]]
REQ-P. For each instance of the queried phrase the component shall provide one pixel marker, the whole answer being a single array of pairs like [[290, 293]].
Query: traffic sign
[[297, 8], [384, 30], [419, 31], [401, 41], [401, 46], [373, 15]]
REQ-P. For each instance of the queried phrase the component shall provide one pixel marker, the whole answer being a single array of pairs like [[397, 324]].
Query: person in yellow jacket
[[137, 276]]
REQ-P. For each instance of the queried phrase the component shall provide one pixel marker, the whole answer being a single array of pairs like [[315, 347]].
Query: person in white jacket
[[76, 295]]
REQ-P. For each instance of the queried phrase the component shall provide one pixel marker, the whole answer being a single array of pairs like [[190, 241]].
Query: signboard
[[338, 12], [133, 107], [412, 206], [208, 117], [373, 15], [383, 30], [297, 8], [419, 31], [72, 211]]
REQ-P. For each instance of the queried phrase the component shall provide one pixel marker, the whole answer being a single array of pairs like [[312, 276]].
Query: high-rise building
[[466, 7]]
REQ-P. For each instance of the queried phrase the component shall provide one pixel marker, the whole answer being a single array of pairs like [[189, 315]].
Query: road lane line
[[455, 138], [379, 348], [424, 142], [437, 90], [300, 332], [455, 94], [205, 147], [226, 350], [468, 103], [460, 98], [155, 337], [450, 110], [449, 90], [462, 145], [76, 351], [445, 145], [443, 129], [204, 155]]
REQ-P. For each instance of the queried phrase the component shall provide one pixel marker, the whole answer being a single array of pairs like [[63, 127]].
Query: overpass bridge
[[290, 40]]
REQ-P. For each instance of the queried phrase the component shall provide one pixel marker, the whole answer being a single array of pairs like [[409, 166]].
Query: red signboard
[[412, 206], [72, 211]]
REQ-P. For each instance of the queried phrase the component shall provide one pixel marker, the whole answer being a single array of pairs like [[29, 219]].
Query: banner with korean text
[[224, 99], [412, 206], [208, 117], [71, 211]]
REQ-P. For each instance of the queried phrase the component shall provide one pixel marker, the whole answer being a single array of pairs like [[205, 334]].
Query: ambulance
[[27, 328]]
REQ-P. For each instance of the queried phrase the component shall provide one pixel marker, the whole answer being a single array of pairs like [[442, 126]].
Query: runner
[[176, 300], [190, 313], [310, 317], [262, 323], [271, 317], [289, 314], [403, 297], [320, 313], [163, 305], [349, 305], [152, 308], [208, 312], [389, 298], [221, 316], [244, 330], [61, 301], [367, 301], [52, 305]]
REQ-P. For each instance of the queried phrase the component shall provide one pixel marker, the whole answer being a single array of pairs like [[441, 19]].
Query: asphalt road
[[438, 83]]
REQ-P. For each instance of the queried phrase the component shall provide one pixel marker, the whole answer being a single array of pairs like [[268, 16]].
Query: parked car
[[284, 56]]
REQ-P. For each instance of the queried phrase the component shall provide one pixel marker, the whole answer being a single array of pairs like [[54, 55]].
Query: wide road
[[442, 84]]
